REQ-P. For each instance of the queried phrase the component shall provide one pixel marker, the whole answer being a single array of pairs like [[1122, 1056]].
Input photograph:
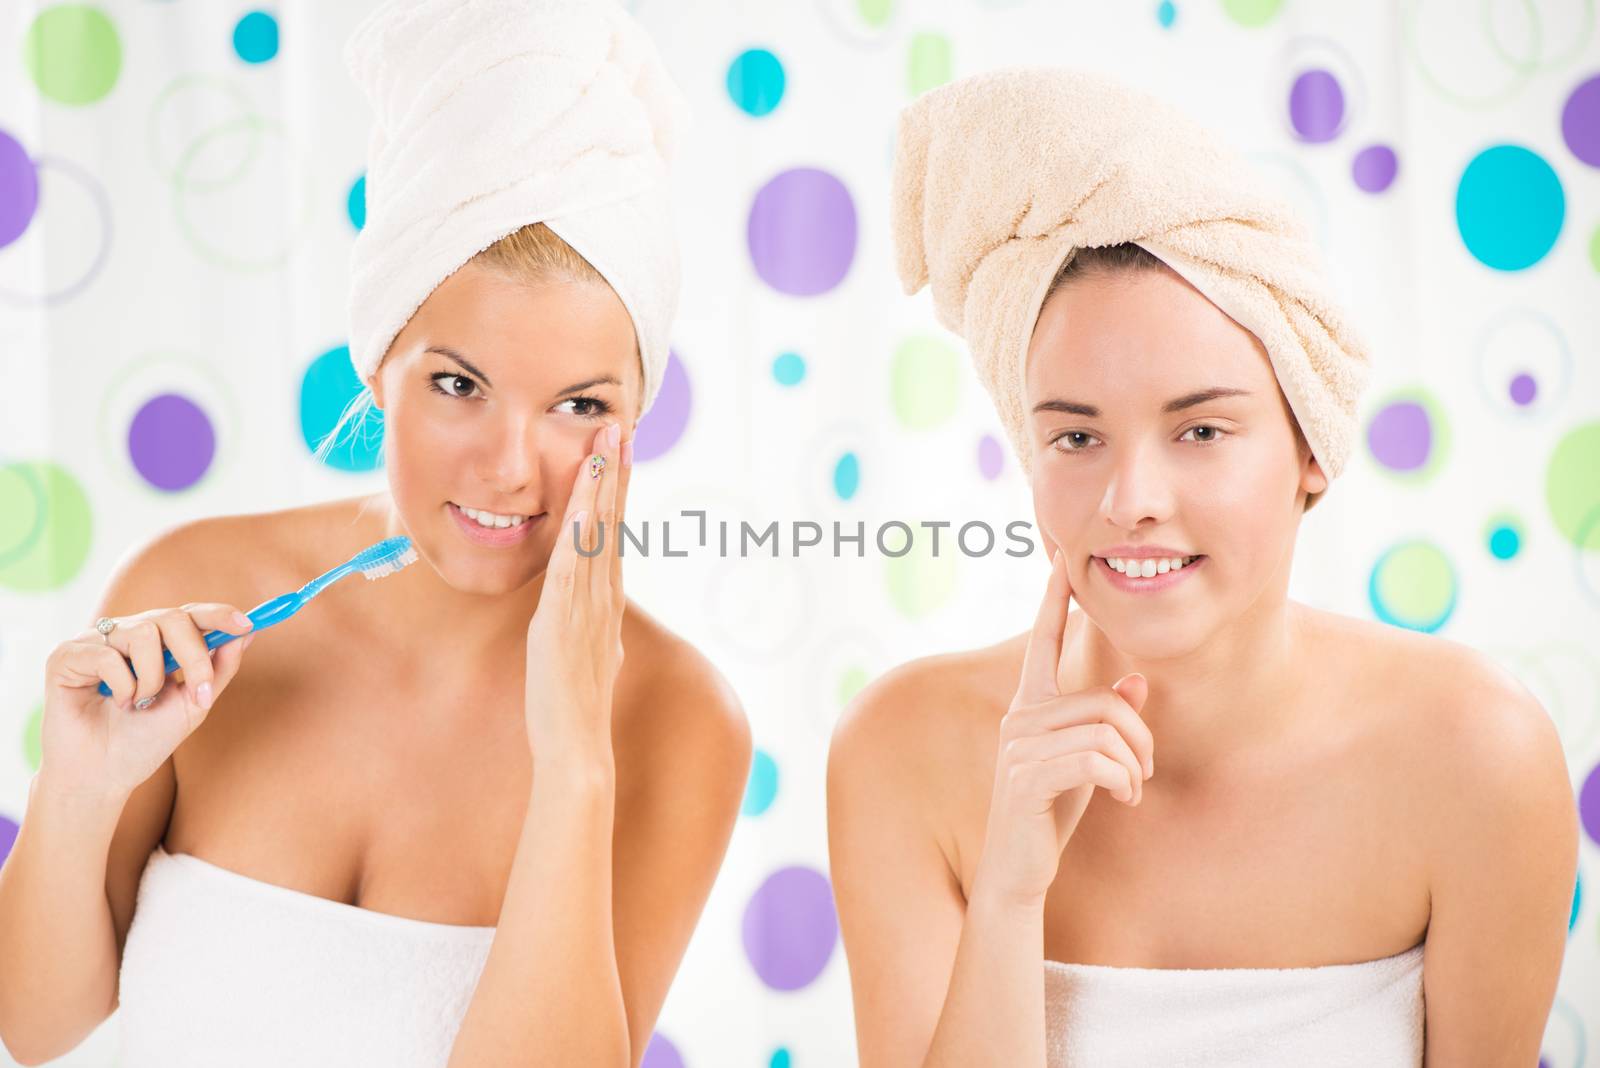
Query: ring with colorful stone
[[597, 463]]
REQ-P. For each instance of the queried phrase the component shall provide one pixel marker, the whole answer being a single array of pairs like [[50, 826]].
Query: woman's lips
[[1154, 584], [496, 537]]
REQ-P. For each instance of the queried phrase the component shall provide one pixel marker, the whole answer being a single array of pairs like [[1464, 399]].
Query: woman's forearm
[[58, 943], [550, 990], [993, 1012]]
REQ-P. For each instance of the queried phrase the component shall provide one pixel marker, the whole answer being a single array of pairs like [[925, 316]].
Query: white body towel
[[222, 969], [1368, 1014]]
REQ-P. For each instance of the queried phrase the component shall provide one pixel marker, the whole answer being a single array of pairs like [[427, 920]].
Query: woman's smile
[[487, 528]]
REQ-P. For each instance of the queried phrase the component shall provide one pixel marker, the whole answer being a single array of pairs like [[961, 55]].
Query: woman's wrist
[[992, 895], [71, 808], [577, 766]]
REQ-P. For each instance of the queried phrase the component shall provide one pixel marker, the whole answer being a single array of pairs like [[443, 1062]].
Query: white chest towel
[[222, 969], [1368, 1014]]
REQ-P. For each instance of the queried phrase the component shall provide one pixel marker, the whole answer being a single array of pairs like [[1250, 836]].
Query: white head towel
[[999, 177], [493, 114]]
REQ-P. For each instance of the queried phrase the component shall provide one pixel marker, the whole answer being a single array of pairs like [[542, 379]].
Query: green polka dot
[[73, 53], [1251, 12], [1413, 586], [925, 382], [919, 582], [929, 65], [1572, 487], [875, 13], [44, 527], [1594, 249], [850, 682], [31, 749]]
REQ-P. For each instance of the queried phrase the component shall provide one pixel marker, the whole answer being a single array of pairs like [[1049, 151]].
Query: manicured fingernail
[[242, 620], [627, 453], [613, 434], [580, 517], [203, 692]]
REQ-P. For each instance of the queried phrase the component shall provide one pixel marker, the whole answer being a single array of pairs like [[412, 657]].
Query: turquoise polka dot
[[789, 369], [762, 786], [847, 476], [1509, 207], [356, 203], [329, 385], [780, 1058], [1577, 899], [255, 37], [1166, 13], [756, 81], [1504, 542]]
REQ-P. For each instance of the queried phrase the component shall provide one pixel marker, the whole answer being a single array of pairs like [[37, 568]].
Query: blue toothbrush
[[384, 558]]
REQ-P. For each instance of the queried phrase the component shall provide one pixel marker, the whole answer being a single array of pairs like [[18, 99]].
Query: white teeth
[[490, 519], [1149, 567]]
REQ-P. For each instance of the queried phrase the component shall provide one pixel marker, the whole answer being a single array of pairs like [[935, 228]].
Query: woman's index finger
[[1043, 656]]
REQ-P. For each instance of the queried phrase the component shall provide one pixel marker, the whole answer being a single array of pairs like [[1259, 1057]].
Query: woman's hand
[[1054, 750], [96, 746], [575, 636]]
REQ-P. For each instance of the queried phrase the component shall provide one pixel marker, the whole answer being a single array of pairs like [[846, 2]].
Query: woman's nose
[[513, 458], [1140, 487]]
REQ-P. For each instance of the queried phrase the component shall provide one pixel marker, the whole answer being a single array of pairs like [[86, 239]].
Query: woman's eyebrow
[[603, 380], [462, 360], [1177, 404]]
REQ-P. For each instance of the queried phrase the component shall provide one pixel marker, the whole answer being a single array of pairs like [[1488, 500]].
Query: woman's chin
[[465, 573]]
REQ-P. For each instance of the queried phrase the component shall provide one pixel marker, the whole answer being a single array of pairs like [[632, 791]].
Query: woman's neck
[[1241, 686]]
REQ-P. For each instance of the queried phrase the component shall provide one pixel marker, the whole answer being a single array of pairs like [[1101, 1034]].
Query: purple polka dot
[[1580, 121], [171, 442], [1524, 389], [8, 837], [790, 927], [1400, 436], [1589, 804], [661, 1054], [1374, 168], [991, 458], [802, 232], [662, 426], [1316, 106], [19, 189]]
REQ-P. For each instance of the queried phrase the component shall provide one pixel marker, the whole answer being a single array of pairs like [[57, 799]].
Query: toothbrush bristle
[[387, 557]]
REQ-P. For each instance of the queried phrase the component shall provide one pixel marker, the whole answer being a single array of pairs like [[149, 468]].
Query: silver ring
[[105, 625], [146, 703]]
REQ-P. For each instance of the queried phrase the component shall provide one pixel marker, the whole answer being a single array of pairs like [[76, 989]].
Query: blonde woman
[[1192, 821], [438, 818]]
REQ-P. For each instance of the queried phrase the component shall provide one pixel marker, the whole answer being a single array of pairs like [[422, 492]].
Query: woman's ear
[[1312, 478]]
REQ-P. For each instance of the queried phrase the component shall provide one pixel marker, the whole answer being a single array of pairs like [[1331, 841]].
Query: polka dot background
[[175, 222]]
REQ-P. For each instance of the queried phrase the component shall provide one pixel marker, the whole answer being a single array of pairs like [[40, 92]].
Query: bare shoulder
[[1452, 694], [223, 557], [673, 695], [1466, 725], [930, 715]]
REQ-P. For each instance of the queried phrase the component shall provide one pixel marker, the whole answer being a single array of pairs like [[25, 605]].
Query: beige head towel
[[999, 177]]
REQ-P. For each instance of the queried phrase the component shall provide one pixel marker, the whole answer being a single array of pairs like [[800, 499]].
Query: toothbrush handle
[[263, 615]]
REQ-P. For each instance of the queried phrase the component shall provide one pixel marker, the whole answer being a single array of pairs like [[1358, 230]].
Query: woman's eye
[[589, 407], [452, 380], [1071, 434], [1215, 434]]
